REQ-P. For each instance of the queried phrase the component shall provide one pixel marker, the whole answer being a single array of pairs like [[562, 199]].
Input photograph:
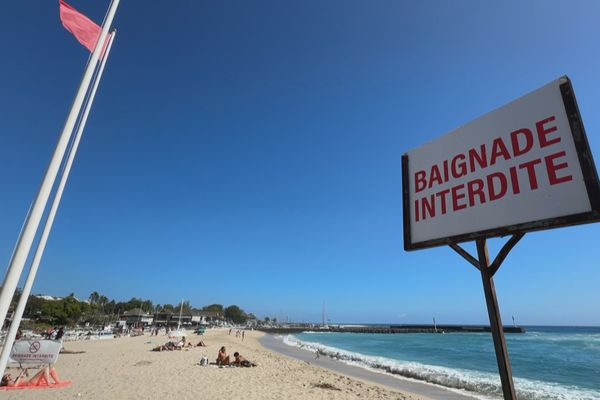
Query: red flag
[[84, 29]]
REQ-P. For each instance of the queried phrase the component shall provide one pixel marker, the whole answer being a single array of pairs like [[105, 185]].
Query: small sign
[[525, 166], [35, 351]]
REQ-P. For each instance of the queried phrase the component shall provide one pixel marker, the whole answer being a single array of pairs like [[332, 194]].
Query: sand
[[126, 368]]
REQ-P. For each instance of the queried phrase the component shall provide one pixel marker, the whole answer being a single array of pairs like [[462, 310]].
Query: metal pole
[[25, 241], [508, 388], [16, 321]]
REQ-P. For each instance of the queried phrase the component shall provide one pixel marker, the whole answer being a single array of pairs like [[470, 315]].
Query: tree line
[[99, 309]]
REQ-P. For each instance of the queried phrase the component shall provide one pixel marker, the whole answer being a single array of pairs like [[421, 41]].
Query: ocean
[[547, 362]]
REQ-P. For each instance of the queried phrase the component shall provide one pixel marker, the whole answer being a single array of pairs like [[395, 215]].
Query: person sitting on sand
[[241, 361], [223, 358], [201, 344]]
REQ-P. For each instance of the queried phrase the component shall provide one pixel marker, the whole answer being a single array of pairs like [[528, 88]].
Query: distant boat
[[435, 328]]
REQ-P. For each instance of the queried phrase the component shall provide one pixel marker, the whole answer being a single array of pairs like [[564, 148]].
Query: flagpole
[[16, 320], [25, 241]]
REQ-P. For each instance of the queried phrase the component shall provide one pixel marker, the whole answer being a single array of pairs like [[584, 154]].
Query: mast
[[34, 217], [18, 313], [180, 310]]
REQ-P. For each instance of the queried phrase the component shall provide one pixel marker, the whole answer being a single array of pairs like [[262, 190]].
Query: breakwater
[[285, 330]]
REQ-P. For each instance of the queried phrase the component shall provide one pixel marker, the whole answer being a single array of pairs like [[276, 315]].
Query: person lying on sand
[[45, 373], [241, 361], [65, 351], [190, 344], [169, 346], [161, 347], [7, 379], [223, 358]]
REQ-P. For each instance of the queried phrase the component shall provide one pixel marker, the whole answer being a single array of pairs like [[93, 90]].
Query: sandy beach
[[126, 368]]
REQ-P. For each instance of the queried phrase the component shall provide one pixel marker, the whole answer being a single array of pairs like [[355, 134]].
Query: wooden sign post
[[482, 263], [524, 167]]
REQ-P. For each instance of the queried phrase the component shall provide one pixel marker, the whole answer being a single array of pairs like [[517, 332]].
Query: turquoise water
[[547, 362]]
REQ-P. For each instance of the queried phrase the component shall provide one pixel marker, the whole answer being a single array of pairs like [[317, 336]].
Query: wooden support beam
[[464, 254], [504, 252]]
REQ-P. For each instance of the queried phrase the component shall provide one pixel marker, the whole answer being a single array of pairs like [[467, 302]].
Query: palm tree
[[147, 306], [102, 300], [94, 297]]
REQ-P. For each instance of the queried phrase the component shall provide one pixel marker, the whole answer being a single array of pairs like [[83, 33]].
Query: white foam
[[483, 385]]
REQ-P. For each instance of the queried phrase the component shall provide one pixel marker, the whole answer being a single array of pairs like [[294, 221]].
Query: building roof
[[47, 297], [135, 312], [210, 314]]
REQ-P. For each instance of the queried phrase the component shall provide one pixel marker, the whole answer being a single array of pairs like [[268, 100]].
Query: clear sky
[[249, 152]]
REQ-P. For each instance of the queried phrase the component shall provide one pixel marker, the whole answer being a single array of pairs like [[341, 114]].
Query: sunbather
[[7, 379], [169, 346], [42, 375], [241, 361], [223, 358], [160, 347]]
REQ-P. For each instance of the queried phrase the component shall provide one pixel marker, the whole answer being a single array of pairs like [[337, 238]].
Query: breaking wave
[[482, 385]]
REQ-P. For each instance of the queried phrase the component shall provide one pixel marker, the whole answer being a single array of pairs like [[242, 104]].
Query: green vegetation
[[214, 307], [99, 310], [236, 314]]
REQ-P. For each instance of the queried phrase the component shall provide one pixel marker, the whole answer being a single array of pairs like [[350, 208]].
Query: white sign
[[514, 166], [35, 351]]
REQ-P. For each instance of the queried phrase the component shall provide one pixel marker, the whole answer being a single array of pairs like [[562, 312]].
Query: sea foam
[[482, 385]]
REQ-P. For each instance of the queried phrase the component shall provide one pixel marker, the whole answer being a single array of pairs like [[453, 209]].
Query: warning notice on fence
[[517, 165]]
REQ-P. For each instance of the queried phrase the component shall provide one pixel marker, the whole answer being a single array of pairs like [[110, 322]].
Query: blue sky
[[249, 153]]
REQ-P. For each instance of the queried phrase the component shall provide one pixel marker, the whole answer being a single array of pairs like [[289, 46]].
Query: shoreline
[[126, 367], [404, 385]]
